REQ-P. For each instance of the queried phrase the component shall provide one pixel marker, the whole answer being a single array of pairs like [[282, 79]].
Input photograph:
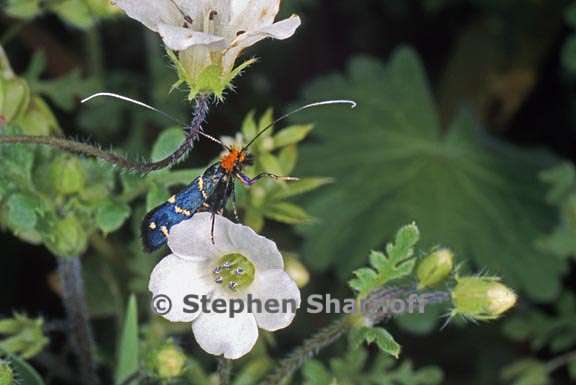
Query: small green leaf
[[383, 339], [25, 9], [287, 213], [168, 141], [316, 374], [156, 195], [22, 213], [127, 363], [25, 373], [288, 156], [270, 163], [291, 135], [111, 215], [299, 187]]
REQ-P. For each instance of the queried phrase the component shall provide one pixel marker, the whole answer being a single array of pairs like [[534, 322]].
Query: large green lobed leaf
[[393, 163]]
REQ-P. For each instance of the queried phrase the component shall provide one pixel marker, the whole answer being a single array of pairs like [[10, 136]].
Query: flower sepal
[[210, 80]]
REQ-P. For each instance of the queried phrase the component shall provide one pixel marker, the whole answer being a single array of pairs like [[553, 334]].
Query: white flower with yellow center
[[210, 32], [239, 264]]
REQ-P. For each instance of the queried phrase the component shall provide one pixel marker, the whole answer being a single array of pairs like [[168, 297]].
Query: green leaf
[[299, 187], [316, 374], [22, 214], [287, 213], [479, 195], [127, 363], [168, 141], [398, 262], [111, 216], [526, 372], [67, 237], [291, 135], [25, 373], [383, 339], [156, 195], [25, 9]]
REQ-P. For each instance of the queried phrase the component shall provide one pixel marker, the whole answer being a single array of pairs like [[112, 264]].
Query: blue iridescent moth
[[210, 191]]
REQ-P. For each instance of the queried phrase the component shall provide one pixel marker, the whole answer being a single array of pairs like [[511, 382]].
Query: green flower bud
[[24, 336], [434, 268], [6, 373], [67, 175], [482, 298], [67, 238], [297, 271], [169, 362]]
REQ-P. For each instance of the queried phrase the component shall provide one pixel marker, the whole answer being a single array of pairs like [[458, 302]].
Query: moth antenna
[[133, 101], [165, 114], [305, 107]]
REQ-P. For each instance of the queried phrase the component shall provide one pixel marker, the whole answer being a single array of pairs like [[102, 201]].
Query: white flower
[[240, 263], [209, 32]]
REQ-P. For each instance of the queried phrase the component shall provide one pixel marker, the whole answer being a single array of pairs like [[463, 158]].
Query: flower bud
[[169, 362], [434, 268], [68, 176], [482, 298], [6, 373], [297, 271]]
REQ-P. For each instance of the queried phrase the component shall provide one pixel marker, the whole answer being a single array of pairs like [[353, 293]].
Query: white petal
[[275, 285], [251, 14], [178, 38], [261, 251], [151, 12], [176, 278], [219, 334], [191, 238], [280, 30]]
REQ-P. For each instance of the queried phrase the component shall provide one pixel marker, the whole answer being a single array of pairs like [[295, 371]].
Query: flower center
[[234, 272]]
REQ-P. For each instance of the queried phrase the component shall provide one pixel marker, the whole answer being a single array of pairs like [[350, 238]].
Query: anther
[[217, 269], [219, 279], [239, 271], [232, 285], [212, 14], [227, 265]]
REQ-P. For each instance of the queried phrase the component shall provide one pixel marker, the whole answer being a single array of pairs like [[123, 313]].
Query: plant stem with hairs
[[80, 332], [201, 108]]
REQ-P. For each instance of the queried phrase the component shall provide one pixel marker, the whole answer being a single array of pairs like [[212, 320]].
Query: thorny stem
[[376, 308], [310, 348], [201, 108], [80, 337], [224, 370]]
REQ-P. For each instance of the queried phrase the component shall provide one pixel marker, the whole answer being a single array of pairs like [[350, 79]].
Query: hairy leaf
[[392, 163]]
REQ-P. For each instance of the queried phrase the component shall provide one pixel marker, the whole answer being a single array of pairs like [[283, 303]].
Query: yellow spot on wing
[[152, 225], [172, 199], [200, 184], [164, 230]]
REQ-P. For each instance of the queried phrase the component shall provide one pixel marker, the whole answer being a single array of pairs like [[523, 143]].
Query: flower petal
[[178, 38], [252, 14], [280, 30], [191, 239], [275, 285], [151, 12], [176, 278], [261, 251], [219, 334]]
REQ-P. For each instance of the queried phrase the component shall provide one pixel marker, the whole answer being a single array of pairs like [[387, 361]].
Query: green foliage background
[[465, 126]]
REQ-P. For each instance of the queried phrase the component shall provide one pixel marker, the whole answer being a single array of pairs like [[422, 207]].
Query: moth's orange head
[[234, 160]]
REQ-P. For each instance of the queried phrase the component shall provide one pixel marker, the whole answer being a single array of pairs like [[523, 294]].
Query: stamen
[[212, 15], [239, 271], [217, 270], [219, 279], [234, 272], [232, 285]]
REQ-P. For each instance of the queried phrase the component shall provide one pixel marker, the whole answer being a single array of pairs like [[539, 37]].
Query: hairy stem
[[310, 348], [80, 331], [199, 116], [224, 370]]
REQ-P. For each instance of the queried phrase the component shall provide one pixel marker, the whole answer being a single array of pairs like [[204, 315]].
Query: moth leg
[[234, 206], [247, 181], [212, 227]]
